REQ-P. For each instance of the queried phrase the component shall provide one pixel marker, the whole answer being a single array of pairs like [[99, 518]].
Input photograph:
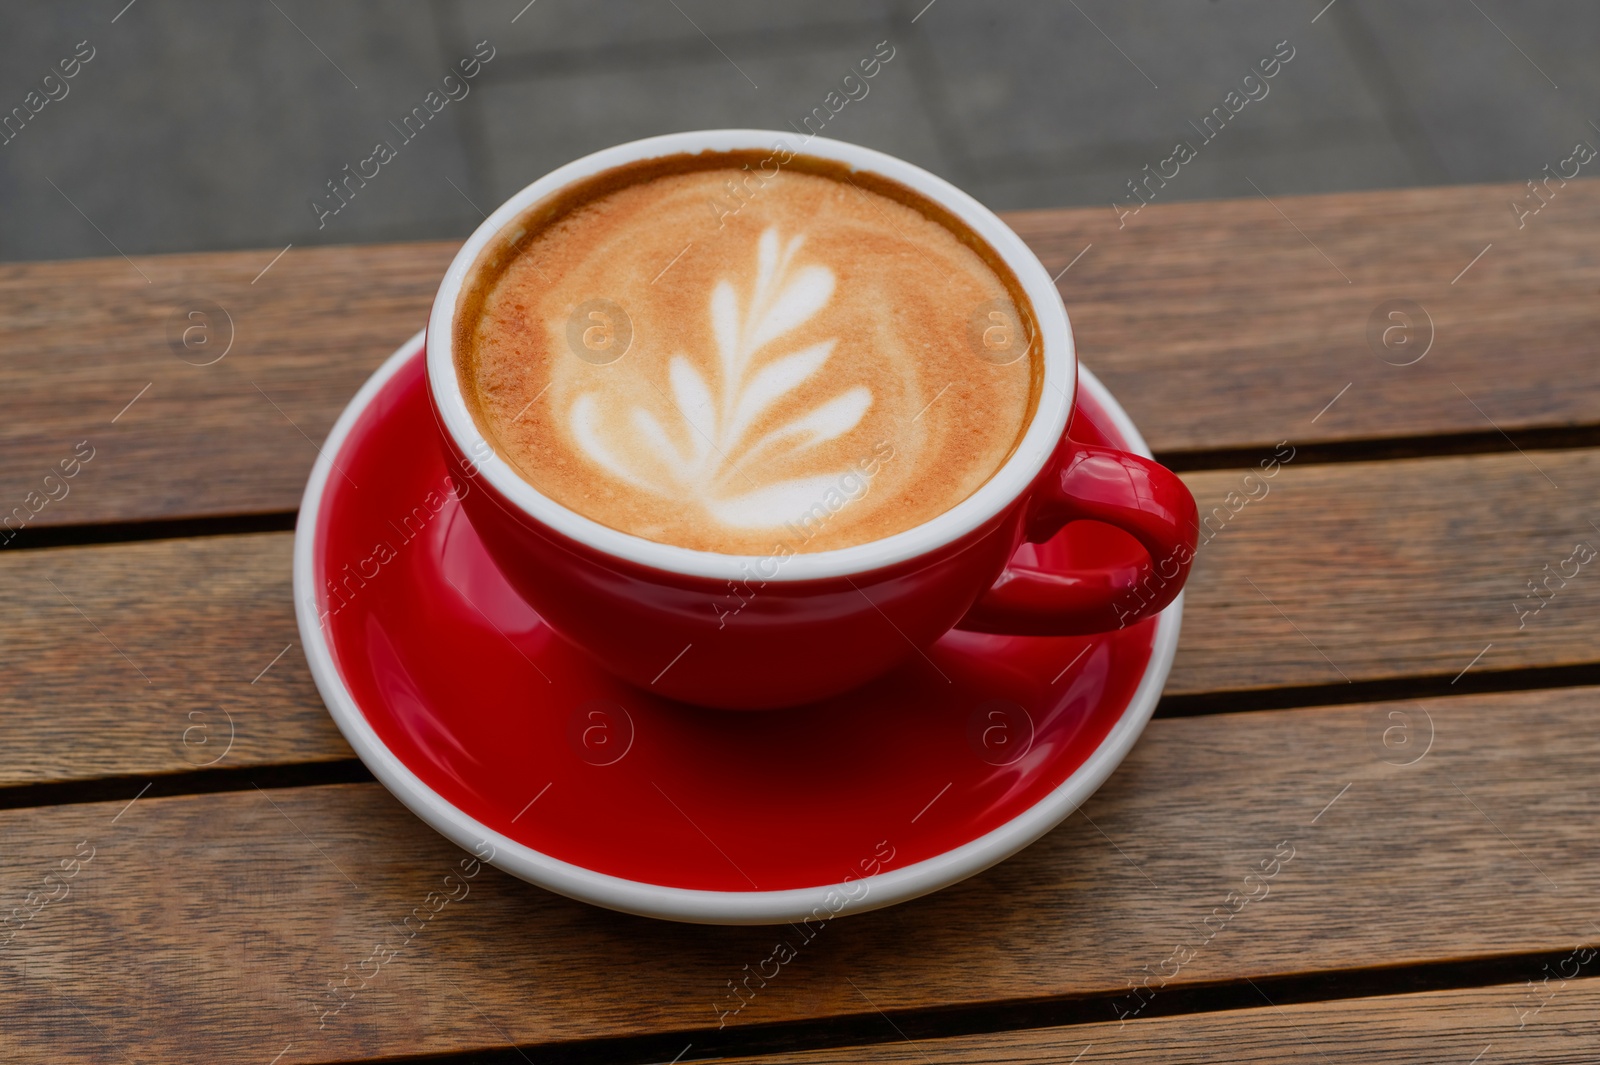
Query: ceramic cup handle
[[1144, 499]]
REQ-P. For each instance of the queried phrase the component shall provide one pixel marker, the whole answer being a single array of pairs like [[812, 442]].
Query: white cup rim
[[1038, 443]]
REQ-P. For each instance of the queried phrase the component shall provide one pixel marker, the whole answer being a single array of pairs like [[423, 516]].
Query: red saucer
[[494, 730]]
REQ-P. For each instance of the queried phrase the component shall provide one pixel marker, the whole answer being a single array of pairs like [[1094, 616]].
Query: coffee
[[749, 354]]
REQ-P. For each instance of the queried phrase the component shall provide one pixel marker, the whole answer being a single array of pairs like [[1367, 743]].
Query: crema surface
[[789, 364]]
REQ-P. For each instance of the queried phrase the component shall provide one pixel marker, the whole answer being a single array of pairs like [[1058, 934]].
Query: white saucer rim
[[695, 905]]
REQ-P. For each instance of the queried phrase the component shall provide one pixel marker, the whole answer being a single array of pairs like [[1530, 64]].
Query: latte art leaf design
[[700, 442]]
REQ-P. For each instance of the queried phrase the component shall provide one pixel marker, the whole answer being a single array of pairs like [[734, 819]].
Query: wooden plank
[[1228, 324], [240, 907], [154, 657], [1466, 1027], [1382, 570], [83, 339], [1377, 570], [1217, 324]]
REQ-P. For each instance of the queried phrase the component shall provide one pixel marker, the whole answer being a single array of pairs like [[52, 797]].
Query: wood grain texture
[[83, 338], [1216, 323], [1466, 1027], [138, 656], [240, 907], [153, 657], [1233, 323], [1374, 570]]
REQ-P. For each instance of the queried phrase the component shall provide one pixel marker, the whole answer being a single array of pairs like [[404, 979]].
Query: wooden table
[[1386, 666]]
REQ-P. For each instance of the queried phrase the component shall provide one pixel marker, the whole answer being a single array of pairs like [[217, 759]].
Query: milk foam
[[821, 327], [697, 445]]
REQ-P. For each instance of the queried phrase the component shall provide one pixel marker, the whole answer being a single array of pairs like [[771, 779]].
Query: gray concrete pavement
[[199, 126]]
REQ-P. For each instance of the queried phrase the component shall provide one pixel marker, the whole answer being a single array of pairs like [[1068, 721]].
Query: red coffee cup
[[751, 632]]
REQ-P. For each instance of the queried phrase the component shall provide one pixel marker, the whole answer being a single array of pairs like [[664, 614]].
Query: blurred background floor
[[199, 126]]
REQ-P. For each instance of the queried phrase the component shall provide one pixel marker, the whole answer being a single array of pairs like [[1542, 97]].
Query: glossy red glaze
[[752, 644], [479, 698], [760, 644], [1094, 483]]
